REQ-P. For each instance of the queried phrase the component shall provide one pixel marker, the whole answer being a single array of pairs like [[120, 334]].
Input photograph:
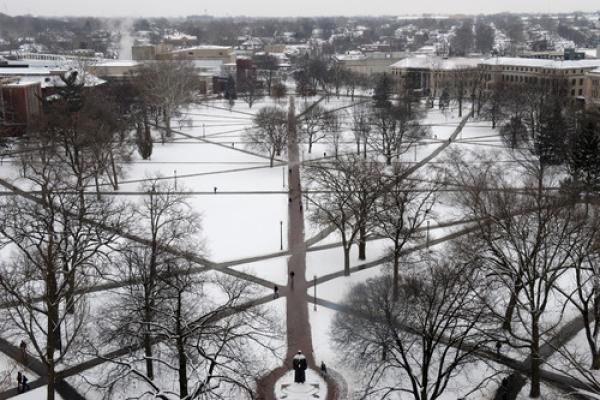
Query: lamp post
[[175, 178], [283, 175], [427, 236], [280, 235]]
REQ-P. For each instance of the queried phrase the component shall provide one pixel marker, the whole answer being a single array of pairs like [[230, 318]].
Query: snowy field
[[244, 210]]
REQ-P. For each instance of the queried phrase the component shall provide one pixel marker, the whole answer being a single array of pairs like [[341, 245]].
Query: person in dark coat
[[300, 365], [19, 381], [24, 385]]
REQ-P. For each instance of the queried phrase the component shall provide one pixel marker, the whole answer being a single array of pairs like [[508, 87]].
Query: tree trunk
[[167, 118], [53, 327], [460, 108], [148, 355], [97, 184], [535, 359], [182, 358], [358, 146], [362, 243], [596, 361], [346, 260], [510, 308], [51, 379], [396, 275], [310, 143], [114, 171], [365, 149]]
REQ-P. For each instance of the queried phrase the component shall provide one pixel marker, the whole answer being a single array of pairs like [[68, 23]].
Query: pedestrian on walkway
[[275, 292], [498, 347], [323, 368], [19, 380], [215, 189], [292, 279], [23, 349], [24, 385]]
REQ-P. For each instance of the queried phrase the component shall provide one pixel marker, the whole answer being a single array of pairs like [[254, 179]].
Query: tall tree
[[484, 37], [60, 249], [347, 190], [415, 345], [269, 133]]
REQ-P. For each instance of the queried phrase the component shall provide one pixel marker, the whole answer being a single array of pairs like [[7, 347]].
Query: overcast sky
[[284, 7]]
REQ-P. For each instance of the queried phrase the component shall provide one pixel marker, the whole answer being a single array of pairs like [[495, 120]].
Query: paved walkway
[[65, 390], [299, 335]]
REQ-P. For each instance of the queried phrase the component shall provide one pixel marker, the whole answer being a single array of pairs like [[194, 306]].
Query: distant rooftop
[[203, 47], [437, 63], [537, 63]]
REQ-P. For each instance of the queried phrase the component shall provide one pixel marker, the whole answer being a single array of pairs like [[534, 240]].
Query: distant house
[[23, 89], [20, 105]]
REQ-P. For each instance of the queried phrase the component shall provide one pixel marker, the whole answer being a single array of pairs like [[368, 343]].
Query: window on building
[[572, 92], [580, 92]]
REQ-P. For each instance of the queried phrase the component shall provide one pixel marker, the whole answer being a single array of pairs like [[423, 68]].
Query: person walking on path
[[292, 279], [275, 292], [215, 189], [23, 349], [19, 381], [24, 385]]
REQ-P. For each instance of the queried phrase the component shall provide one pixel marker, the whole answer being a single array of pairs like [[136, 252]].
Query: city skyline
[[270, 8]]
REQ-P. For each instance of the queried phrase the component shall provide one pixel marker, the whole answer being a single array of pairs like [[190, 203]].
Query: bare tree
[[60, 250], [585, 266], [164, 218], [249, 88], [394, 128], [332, 124], [361, 128], [400, 213], [167, 86], [418, 344], [525, 241], [269, 133], [347, 188], [210, 342], [267, 66], [312, 124]]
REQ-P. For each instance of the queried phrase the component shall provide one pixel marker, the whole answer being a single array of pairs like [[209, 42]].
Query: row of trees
[[65, 241], [528, 267]]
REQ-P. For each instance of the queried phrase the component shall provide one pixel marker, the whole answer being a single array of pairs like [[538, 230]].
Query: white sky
[[284, 7]]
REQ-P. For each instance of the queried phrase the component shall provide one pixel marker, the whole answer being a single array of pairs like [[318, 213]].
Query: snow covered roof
[[539, 63], [350, 56], [46, 77], [203, 47], [595, 71], [117, 63], [437, 63], [23, 71]]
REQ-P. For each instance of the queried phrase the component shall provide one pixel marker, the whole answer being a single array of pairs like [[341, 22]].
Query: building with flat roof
[[592, 90], [432, 74], [367, 63], [518, 71]]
